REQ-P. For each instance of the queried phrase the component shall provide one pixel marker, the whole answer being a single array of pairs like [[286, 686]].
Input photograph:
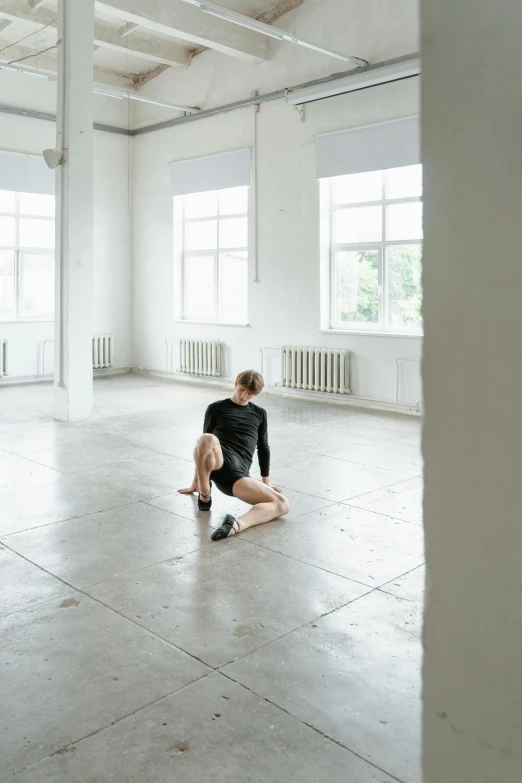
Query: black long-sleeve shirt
[[240, 428]]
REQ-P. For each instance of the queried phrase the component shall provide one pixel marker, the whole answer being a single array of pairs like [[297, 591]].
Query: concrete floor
[[132, 648]]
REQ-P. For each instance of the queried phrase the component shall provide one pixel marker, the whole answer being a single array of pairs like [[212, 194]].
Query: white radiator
[[102, 351], [315, 369], [3, 358], [200, 357]]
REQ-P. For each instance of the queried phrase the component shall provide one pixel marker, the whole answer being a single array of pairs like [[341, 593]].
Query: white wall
[[284, 305], [473, 391], [112, 254]]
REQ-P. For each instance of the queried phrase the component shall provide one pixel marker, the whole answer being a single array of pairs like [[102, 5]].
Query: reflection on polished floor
[[132, 648]]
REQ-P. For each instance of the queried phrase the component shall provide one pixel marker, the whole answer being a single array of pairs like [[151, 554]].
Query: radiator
[[102, 351], [200, 357], [3, 358], [315, 369]]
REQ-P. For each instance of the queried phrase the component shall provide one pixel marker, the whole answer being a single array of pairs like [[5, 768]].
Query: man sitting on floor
[[224, 453]]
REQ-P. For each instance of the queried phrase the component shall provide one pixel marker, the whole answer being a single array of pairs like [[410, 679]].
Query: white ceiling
[[144, 51]]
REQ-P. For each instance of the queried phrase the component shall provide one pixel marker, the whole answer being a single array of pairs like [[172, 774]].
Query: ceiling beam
[[134, 43], [179, 20], [268, 17], [47, 66]]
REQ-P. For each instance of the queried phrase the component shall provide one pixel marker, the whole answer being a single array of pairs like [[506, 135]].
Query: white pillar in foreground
[[472, 156], [74, 212]]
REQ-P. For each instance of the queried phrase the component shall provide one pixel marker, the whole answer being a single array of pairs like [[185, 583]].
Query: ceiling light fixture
[[372, 76], [100, 89], [269, 30]]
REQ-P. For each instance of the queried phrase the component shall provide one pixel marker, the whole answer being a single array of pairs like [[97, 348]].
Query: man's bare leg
[[208, 457], [267, 504]]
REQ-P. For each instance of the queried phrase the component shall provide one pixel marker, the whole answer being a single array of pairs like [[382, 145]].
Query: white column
[[472, 371], [74, 212]]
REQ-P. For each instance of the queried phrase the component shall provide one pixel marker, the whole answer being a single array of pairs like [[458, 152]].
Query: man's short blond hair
[[251, 380]]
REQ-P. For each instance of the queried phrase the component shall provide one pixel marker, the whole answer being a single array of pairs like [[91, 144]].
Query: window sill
[[206, 323], [361, 333], [26, 320]]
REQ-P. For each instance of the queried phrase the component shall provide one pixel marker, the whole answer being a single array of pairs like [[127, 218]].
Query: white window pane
[[234, 287], [404, 221], [7, 231], [233, 201], [357, 286], [36, 233], [201, 204], [233, 232], [37, 285], [7, 201], [357, 224], [200, 287], [201, 235], [7, 284], [356, 188], [405, 182], [405, 287], [36, 204]]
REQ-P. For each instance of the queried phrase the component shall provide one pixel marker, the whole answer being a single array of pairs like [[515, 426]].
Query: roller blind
[[25, 173], [215, 172], [387, 145]]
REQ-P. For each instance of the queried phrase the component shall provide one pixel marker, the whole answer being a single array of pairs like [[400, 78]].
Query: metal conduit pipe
[[251, 101]]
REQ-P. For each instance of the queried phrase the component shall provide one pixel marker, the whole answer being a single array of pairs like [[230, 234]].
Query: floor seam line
[[111, 724], [311, 726], [294, 630], [69, 519], [83, 591], [382, 514], [311, 565]]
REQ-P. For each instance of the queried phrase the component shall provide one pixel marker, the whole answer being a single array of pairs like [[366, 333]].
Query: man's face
[[242, 396]]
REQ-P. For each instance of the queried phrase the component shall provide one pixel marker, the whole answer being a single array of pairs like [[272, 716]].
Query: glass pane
[[201, 204], [200, 288], [357, 224], [233, 232], [404, 221], [7, 284], [37, 284], [36, 204], [233, 201], [7, 201], [405, 286], [201, 235], [7, 231], [357, 288], [357, 188], [405, 182], [234, 287], [36, 233]]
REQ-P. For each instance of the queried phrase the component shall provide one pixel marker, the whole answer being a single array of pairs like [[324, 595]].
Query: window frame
[[381, 327], [181, 255], [19, 252]]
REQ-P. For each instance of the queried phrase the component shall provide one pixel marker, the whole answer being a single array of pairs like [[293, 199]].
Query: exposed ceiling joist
[[47, 66], [179, 20], [133, 43]]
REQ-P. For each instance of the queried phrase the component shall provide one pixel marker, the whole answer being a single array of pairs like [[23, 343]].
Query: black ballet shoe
[[204, 505], [228, 524]]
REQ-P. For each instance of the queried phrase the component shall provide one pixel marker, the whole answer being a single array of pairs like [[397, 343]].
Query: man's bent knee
[[207, 442], [283, 506]]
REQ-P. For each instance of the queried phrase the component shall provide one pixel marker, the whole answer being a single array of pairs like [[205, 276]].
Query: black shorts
[[232, 469]]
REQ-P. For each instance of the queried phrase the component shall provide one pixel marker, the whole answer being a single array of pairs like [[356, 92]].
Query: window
[[26, 256], [375, 232], [211, 237]]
